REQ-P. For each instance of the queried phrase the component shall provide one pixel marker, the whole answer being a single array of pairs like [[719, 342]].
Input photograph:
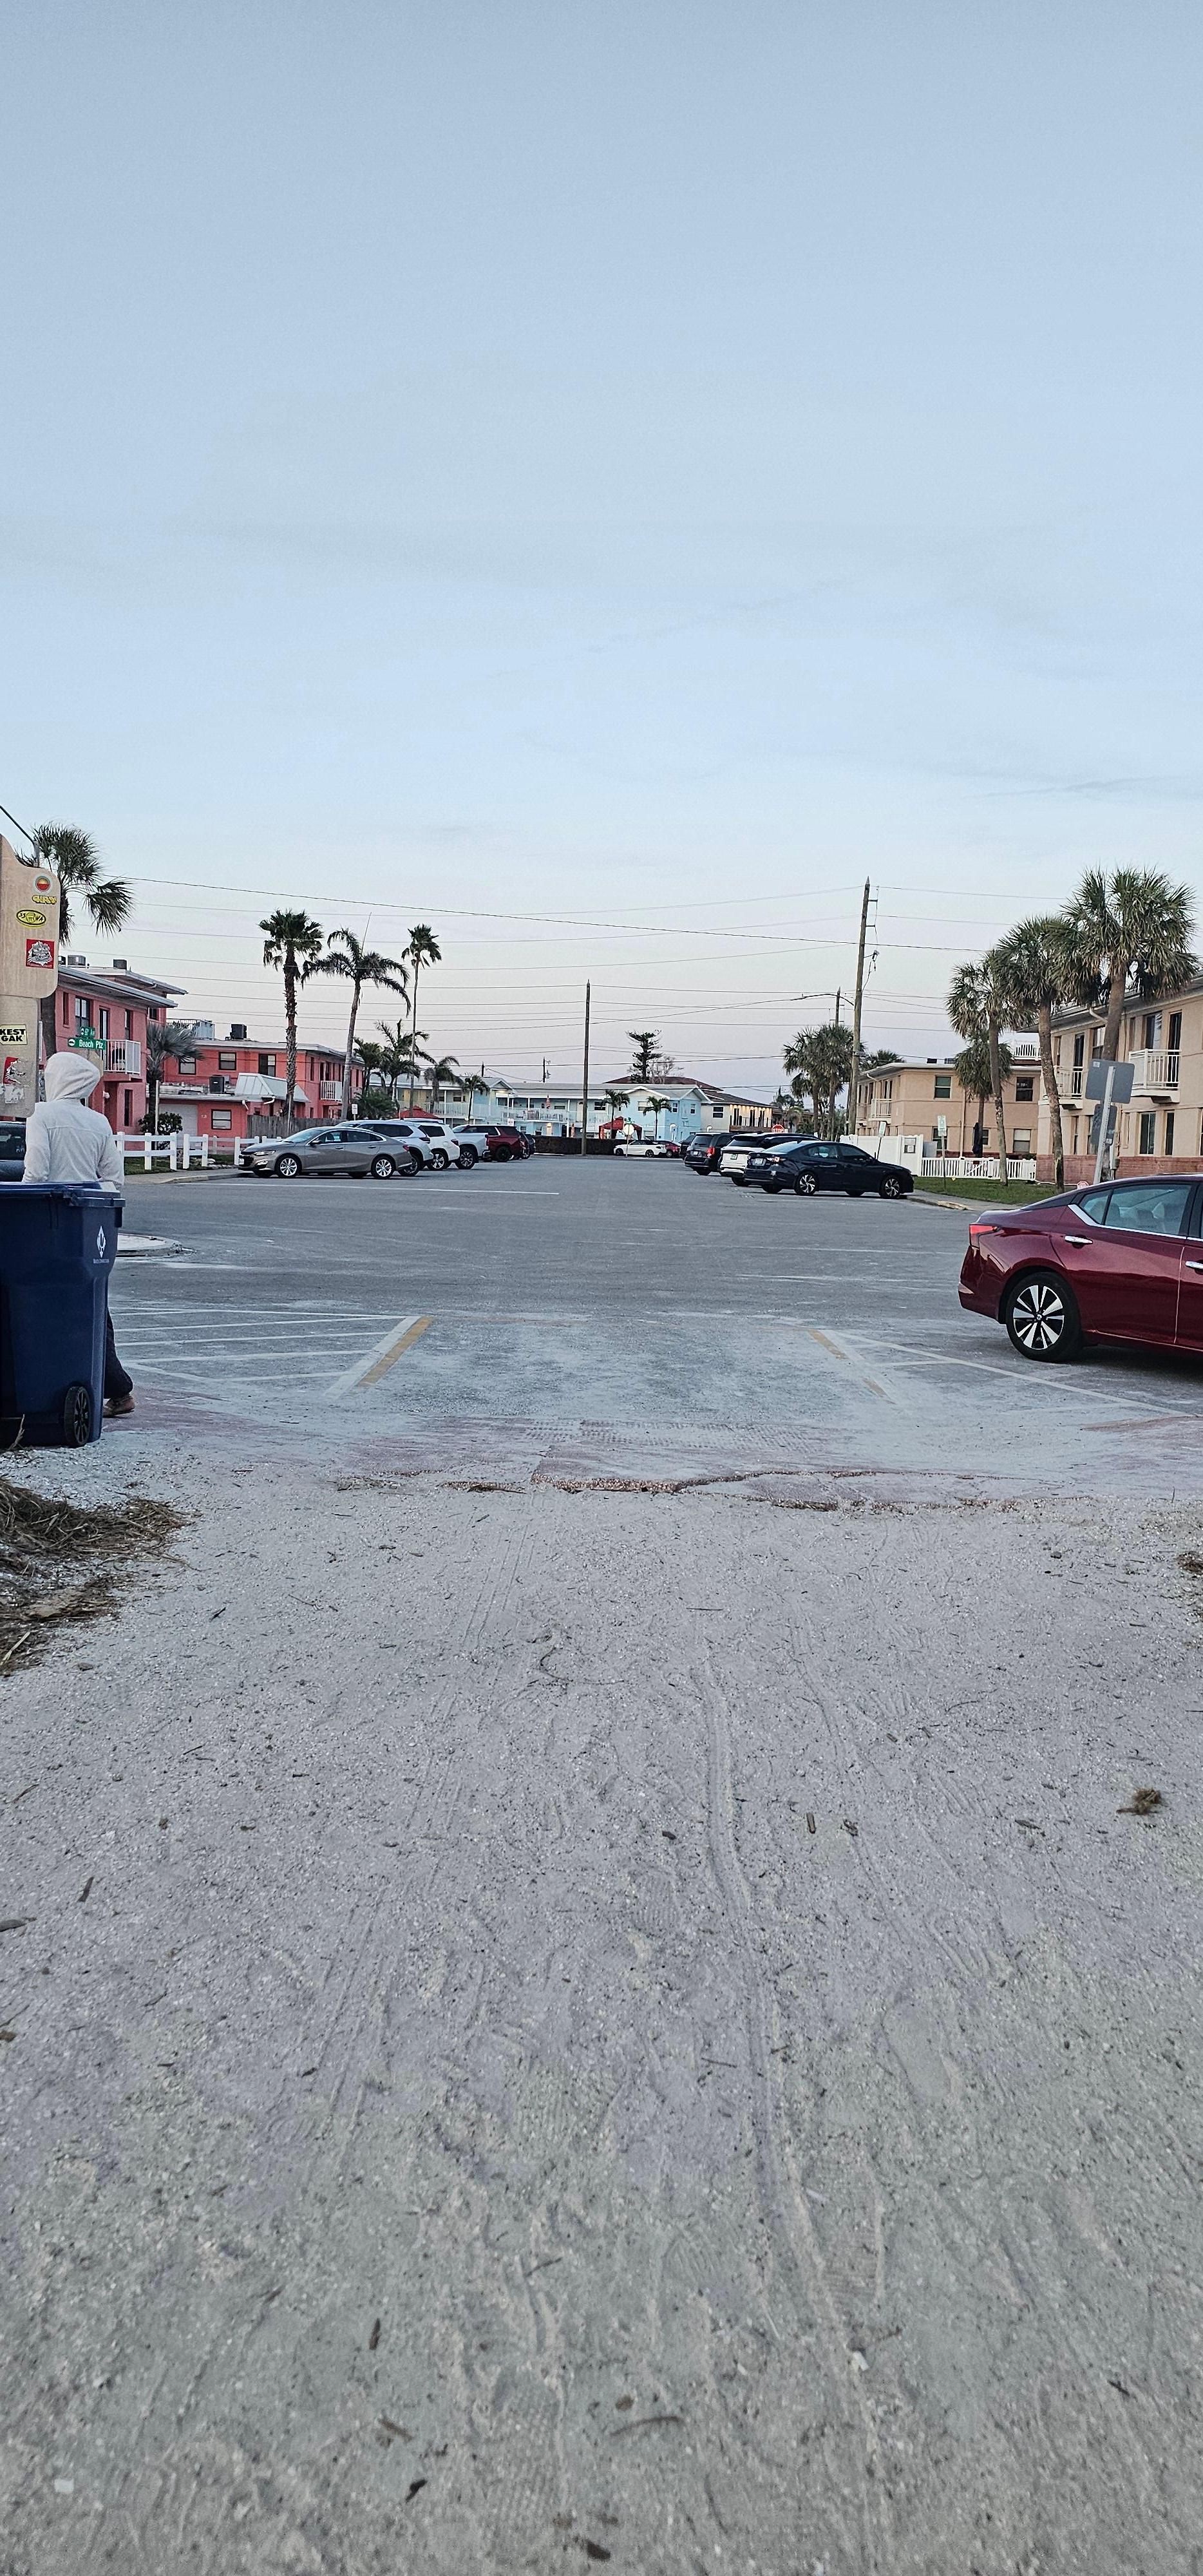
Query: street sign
[[88, 1041], [1120, 1086], [29, 917]]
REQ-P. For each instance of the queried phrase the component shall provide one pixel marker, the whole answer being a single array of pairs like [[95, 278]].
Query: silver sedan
[[349, 1149]]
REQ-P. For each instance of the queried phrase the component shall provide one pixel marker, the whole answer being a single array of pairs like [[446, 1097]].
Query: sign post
[[1112, 1085], [29, 913]]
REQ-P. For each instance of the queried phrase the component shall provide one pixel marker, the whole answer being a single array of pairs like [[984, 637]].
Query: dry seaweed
[[47, 1544]]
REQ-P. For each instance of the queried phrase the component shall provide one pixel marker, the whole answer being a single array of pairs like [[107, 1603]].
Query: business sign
[[29, 921]]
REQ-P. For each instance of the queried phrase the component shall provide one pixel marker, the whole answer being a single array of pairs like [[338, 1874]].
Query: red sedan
[[1120, 1263]]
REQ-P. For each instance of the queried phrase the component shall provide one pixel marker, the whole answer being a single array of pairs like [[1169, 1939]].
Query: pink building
[[237, 1086], [109, 1015]]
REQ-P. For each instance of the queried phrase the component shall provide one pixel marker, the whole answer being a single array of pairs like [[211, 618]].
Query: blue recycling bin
[[58, 1242]]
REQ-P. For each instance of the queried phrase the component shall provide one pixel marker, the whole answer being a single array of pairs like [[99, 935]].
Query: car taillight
[[985, 1229]]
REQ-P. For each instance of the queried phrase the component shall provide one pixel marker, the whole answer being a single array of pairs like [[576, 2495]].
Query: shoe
[[119, 1404]]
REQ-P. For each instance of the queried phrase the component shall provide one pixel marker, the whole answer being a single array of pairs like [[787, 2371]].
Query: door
[[1127, 1267], [1190, 1294], [353, 1149], [858, 1171], [824, 1162], [320, 1151]]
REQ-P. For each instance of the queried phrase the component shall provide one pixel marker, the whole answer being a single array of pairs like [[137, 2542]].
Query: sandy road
[[608, 2023], [488, 1979]]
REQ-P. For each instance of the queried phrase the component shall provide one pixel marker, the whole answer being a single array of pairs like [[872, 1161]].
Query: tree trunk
[[413, 1036], [49, 1032], [996, 1086], [1115, 1013], [350, 1051], [290, 1031], [1044, 1024]]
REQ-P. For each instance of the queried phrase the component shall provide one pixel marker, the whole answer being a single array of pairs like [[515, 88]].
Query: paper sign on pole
[[29, 917]]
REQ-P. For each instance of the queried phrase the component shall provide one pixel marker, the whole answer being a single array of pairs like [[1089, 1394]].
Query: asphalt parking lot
[[624, 1314]]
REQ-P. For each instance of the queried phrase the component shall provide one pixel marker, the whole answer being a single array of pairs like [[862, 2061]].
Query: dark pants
[[116, 1382]]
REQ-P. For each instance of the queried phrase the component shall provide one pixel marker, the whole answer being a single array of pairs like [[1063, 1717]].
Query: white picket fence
[[178, 1151], [984, 1167]]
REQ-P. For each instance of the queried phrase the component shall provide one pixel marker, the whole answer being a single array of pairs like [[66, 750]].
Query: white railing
[[980, 1167], [124, 1055], [1155, 1069], [178, 1151], [329, 1091]]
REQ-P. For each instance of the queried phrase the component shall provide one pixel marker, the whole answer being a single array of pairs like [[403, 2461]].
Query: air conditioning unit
[[76, 961]]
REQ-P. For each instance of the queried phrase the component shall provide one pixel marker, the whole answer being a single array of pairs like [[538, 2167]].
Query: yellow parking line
[[376, 1362]]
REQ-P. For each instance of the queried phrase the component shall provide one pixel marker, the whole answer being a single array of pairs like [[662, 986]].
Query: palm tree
[[440, 1071], [347, 956], [164, 1039], [293, 942], [977, 1007], [821, 1061], [974, 1071], [616, 1100], [72, 857], [656, 1101], [423, 950], [1036, 969], [1130, 935]]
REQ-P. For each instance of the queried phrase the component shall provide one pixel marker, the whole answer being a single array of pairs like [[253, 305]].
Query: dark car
[[703, 1153], [1120, 1263], [808, 1165], [12, 1149]]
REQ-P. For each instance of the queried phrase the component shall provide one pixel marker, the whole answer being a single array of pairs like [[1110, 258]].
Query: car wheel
[[440, 1162], [383, 1168], [504, 1154], [287, 1167], [467, 1157], [805, 1185], [1041, 1316], [890, 1188]]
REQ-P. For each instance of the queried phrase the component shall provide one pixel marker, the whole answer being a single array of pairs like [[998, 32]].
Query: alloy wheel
[[1038, 1316]]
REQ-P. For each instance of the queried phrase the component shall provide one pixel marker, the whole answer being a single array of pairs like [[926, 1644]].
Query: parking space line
[[851, 1360], [376, 1362]]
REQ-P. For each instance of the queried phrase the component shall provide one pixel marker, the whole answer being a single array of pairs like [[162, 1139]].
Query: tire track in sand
[[783, 2202]]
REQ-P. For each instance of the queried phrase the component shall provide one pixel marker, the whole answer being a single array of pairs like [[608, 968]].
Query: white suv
[[435, 1145]]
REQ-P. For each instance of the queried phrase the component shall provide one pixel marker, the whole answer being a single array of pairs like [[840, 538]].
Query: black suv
[[809, 1166], [702, 1152]]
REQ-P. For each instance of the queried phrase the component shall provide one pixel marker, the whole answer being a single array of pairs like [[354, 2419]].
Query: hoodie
[[64, 1141]]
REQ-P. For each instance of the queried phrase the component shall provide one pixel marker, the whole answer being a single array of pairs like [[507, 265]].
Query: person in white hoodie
[[66, 1141]]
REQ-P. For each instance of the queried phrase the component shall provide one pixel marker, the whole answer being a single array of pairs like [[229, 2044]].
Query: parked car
[[806, 1164], [638, 1145], [520, 1144], [12, 1149], [355, 1149], [1121, 1263], [433, 1146], [703, 1153], [489, 1145]]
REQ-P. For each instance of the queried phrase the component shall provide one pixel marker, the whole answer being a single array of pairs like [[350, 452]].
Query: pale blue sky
[[653, 463]]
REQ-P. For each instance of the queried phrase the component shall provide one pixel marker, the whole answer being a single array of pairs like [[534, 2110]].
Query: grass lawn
[[1004, 1193]]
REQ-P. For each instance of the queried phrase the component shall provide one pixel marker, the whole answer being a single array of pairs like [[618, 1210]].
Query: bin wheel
[[77, 1417]]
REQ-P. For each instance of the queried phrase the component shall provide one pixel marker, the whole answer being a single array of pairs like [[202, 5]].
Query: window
[[127, 1114], [129, 1024], [1021, 1140], [1147, 1139], [1025, 1086], [267, 1064], [222, 1117], [1152, 1035], [66, 1008], [104, 1024], [1079, 1048], [943, 1086], [154, 1013], [187, 1063], [228, 1062], [1174, 1037], [83, 1011], [1149, 1207], [1169, 1131], [1093, 1206]]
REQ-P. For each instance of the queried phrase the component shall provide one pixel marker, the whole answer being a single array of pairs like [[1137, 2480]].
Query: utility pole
[[585, 1082], [854, 1077]]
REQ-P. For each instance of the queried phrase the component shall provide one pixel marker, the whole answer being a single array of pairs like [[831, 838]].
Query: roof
[[120, 984]]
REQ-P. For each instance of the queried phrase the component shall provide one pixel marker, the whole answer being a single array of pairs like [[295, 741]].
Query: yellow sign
[[36, 920]]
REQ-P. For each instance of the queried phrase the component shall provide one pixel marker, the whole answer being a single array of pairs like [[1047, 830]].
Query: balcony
[[1155, 1073], [124, 1055]]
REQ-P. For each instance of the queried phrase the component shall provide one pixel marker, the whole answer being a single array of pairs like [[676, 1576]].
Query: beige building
[[924, 1100], [1162, 1129]]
